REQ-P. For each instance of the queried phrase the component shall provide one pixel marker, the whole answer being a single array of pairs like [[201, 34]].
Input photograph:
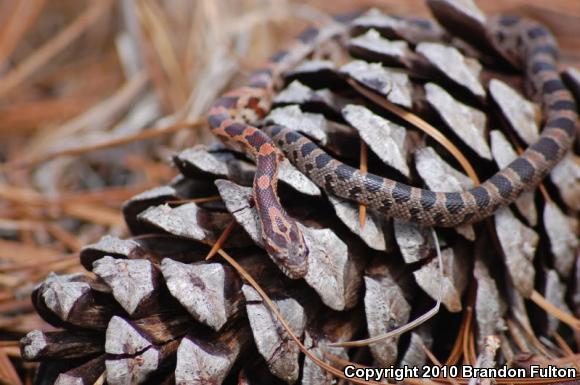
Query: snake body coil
[[519, 41]]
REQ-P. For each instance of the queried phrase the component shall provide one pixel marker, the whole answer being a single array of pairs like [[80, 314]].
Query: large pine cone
[[156, 312]]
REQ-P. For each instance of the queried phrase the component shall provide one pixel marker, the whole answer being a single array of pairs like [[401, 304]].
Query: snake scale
[[522, 42]]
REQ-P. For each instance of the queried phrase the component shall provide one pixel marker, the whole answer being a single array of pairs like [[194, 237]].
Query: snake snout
[[292, 259], [298, 254]]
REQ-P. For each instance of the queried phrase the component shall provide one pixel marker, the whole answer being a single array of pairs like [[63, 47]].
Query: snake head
[[282, 237], [288, 249]]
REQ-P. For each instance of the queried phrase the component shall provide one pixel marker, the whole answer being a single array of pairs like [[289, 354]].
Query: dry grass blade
[[157, 25], [220, 241], [416, 322], [430, 355], [568, 319], [23, 16], [63, 236], [19, 252], [101, 379], [110, 195], [30, 197], [7, 370], [573, 359], [362, 209], [471, 349], [434, 360], [420, 124], [144, 135], [195, 200], [14, 224], [457, 350], [566, 348], [55, 45], [35, 265], [467, 356], [97, 117], [95, 214]]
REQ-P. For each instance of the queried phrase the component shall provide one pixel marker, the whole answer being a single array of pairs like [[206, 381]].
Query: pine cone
[[155, 311]]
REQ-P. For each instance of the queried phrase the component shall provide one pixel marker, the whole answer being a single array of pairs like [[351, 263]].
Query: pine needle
[[420, 124], [567, 318], [145, 134], [41, 56], [221, 240], [362, 209]]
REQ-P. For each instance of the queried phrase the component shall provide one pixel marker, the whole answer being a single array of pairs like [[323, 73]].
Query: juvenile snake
[[519, 41]]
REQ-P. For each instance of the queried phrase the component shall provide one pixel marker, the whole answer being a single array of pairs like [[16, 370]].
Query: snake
[[524, 43]]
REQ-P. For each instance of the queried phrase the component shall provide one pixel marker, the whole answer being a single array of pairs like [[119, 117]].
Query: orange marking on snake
[[277, 218], [264, 182], [266, 149]]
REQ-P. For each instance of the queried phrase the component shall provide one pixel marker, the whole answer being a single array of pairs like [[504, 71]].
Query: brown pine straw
[[42, 55], [544, 192], [101, 379], [23, 15], [434, 360], [94, 209], [573, 359], [31, 197], [550, 308], [568, 352], [63, 236], [429, 354], [516, 336], [519, 332], [455, 354], [467, 357], [145, 134], [60, 266], [461, 344], [7, 371], [195, 200], [362, 208], [95, 214], [536, 343], [34, 265], [157, 27], [221, 240], [471, 347]]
